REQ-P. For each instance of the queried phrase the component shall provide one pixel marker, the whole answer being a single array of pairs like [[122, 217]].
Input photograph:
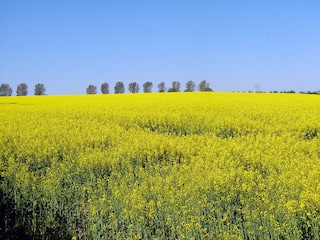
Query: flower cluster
[[161, 166]]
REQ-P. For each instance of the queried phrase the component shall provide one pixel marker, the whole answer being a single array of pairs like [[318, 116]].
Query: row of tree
[[147, 87], [39, 89], [22, 89]]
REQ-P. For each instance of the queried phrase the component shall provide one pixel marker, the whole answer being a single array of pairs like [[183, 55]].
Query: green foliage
[[172, 90], [311, 133], [291, 91]]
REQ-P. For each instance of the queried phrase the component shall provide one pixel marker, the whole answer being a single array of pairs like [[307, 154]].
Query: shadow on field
[[14, 225], [9, 229]]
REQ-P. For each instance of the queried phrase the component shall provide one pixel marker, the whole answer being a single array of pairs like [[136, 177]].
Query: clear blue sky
[[234, 45]]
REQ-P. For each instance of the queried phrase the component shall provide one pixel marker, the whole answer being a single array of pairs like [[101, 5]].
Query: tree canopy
[[147, 87], [119, 87], [5, 90], [134, 87], [204, 86], [190, 86], [105, 88], [175, 87], [39, 89], [91, 89], [162, 87], [22, 89]]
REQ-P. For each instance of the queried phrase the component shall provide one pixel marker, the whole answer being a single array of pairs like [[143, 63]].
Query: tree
[[22, 89], [119, 87], [204, 86], [190, 86], [162, 87], [91, 89], [5, 90], [134, 87], [175, 87], [39, 89], [147, 86], [105, 88]]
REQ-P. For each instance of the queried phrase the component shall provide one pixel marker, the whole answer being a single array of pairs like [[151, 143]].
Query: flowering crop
[[161, 166]]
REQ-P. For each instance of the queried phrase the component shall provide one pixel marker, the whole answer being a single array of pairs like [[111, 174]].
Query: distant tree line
[[134, 87], [22, 89], [310, 92], [290, 91]]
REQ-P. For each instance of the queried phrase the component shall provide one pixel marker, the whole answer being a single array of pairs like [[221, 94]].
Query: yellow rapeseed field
[[160, 166]]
